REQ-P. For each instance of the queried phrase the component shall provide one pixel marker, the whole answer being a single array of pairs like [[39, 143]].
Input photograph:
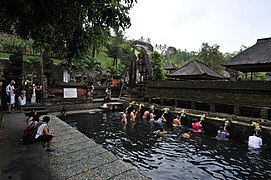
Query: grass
[[4, 55], [29, 57], [102, 57], [104, 60]]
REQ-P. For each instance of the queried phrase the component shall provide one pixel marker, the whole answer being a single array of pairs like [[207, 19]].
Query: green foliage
[[67, 27], [211, 56], [4, 55], [104, 60], [256, 76], [115, 71], [118, 48], [182, 57], [12, 43], [91, 64], [157, 65]]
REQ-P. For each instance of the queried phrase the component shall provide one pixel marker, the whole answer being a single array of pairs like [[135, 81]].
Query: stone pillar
[[161, 101], [212, 107], [264, 113], [149, 100], [175, 102], [236, 110], [193, 105]]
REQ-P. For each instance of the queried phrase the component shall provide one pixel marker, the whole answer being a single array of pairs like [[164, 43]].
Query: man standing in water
[[176, 121], [255, 141], [222, 134], [132, 116], [124, 118]]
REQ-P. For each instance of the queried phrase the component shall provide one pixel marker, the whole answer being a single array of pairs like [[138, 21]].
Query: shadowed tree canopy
[[211, 56], [68, 27]]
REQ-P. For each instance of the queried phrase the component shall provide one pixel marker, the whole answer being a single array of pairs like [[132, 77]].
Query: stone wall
[[56, 95], [247, 98]]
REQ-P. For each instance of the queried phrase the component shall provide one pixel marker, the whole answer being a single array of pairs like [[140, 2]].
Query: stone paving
[[78, 157]]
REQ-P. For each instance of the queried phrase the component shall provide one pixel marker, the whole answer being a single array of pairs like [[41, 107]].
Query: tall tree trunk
[[93, 51]]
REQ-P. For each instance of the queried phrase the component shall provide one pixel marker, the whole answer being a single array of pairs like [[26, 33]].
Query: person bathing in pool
[[196, 125], [222, 134], [160, 131], [124, 118], [176, 121]]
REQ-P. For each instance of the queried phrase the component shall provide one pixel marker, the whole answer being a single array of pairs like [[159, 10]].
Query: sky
[[186, 24]]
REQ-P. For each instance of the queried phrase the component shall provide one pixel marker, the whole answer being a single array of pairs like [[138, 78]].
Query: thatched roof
[[196, 70], [170, 67], [257, 58]]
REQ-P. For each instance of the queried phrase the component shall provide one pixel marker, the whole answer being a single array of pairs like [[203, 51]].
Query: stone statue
[[144, 64], [132, 70]]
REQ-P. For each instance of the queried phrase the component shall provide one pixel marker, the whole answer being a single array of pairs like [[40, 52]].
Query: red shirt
[[196, 127]]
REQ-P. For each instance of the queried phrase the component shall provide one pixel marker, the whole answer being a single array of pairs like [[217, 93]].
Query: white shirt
[[40, 130], [151, 117], [254, 141], [29, 120], [10, 89]]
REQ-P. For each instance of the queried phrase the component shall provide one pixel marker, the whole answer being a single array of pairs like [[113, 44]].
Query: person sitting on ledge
[[30, 117], [30, 130], [43, 134], [255, 141], [64, 111], [222, 134]]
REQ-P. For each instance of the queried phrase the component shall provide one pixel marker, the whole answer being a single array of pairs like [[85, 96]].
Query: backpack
[[29, 134]]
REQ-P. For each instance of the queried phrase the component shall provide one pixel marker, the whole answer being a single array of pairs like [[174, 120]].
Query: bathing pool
[[171, 157]]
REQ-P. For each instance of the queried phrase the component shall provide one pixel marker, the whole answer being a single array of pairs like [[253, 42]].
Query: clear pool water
[[171, 157]]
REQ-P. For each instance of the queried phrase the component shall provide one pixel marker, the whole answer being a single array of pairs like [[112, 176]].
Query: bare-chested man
[[132, 116], [124, 118], [176, 121], [146, 115]]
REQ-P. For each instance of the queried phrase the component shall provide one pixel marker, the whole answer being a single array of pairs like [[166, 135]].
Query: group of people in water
[[37, 130], [254, 141]]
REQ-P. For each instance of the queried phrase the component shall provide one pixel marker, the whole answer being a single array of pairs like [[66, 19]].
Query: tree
[[91, 64], [178, 57], [68, 26], [157, 65], [12, 43], [211, 56], [118, 48]]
